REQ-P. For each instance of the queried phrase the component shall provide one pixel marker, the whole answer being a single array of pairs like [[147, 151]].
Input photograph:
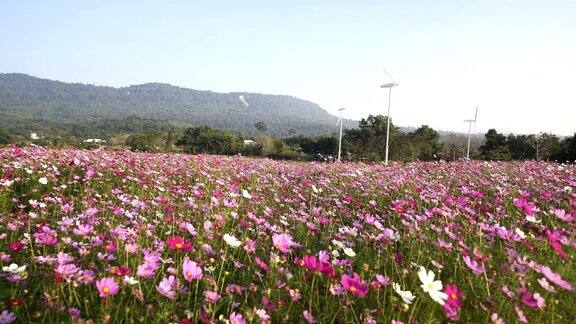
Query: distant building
[[94, 140], [249, 142]]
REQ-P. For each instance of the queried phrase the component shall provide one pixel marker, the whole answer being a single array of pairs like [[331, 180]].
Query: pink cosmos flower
[[563, 215], [283, 242], [46, 236], [211, 297], [66, 208], [107, 287], [354, 285], [527, 207], [191, 270], [521, 315], [308, 317], [167, 287], [250, 246], [555, 278], [146, 270], [533, 300], [74, 312], [473, 265], [83, 229], [7, 317], [261, 264], [554, 239], [236, 318]]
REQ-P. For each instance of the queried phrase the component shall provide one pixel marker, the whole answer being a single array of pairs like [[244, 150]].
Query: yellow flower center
[[453, 295], [178, 245], [106, 289]]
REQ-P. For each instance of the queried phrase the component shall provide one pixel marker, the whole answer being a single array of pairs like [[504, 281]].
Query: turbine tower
[[340, 122], [389, 86], [470, 122]]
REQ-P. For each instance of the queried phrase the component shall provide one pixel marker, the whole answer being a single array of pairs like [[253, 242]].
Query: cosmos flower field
[[120, 236]]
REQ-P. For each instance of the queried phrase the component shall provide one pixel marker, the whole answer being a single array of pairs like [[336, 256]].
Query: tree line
[[364, 143]]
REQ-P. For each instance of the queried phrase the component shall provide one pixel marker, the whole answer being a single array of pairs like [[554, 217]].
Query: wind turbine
[[389, 86], [340, 121], [470, 122]]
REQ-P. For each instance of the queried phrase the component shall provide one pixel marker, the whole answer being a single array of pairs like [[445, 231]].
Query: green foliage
[[368, 142], [5, 138], [321, 145], [426, 143], [152, 141], [261, 127], [207, 140], [519, 147]]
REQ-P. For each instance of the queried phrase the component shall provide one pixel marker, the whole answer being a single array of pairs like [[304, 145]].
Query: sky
[[515, 60]]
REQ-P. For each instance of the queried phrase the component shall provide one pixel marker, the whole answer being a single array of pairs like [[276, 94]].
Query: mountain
[[30, 102]]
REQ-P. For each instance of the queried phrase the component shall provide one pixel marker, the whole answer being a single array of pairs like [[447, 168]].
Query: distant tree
[[519, 146], [564, 150], [261, 127], [368, 141], [147, 141], [543, 144], [495, 147], [426, 143], [204, 139]]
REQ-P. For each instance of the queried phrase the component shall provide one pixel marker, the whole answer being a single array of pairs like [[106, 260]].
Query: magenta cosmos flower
[[454, 301], [191, 270], [178, 243], [107, 287], [354, 285], [310, 262]]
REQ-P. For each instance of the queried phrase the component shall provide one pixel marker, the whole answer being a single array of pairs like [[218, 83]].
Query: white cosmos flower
[[406, 295], [520, 233], [349, 252], [431, 286], [14, 268], [232, 241], [43, 180], [130, 280], [533, 219], [246, 194]]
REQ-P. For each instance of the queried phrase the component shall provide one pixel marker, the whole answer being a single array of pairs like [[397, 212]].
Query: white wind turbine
[[388, 86], [340, 122], [470, 122]]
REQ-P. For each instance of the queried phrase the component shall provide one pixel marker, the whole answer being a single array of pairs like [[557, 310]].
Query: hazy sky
[[516, 60]]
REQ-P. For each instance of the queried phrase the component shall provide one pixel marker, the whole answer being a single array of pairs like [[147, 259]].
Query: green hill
[[30, 103]]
